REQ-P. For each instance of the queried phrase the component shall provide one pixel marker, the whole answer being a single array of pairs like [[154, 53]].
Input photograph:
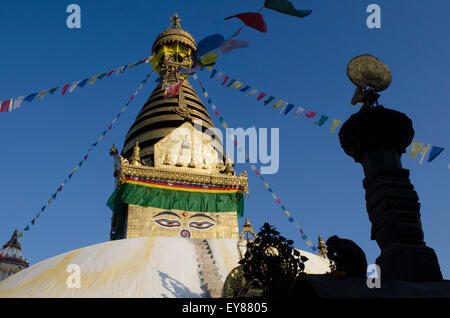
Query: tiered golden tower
[[172, 179]]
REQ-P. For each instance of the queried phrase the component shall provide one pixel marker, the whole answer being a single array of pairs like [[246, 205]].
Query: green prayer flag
[[286, 7], [231, 83], [53, 90], [267, 101]]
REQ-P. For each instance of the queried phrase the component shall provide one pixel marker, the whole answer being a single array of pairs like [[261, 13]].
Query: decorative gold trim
[[181, 175]]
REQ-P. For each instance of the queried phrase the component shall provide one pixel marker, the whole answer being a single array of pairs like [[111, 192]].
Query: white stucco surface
[[155, 267]]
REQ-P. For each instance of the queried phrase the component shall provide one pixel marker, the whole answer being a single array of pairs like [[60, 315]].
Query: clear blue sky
[[300, 60]]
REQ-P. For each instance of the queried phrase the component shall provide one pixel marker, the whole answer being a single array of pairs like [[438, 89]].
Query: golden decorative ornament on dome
[[174, 34]]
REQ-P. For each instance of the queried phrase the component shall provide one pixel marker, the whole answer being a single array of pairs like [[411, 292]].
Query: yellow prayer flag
[[424, 151], [280, 102], [41, 94], [75, 169], [224, 125], [206, 94], [209, 58], [309, 243], [239, 84], [415, 148], [287, 213], [335, 124], [49, 201], [266, 184], [209, 68], [140, 86], [100, 138], [93, 79], [20, 234]]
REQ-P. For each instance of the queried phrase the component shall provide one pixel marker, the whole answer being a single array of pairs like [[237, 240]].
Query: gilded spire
[[247, 230], [13, 242], [175, 22], [322, 247]]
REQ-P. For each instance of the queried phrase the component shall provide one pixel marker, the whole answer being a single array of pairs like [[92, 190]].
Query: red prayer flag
[[225, 80], [5, 106], [278, 201], [310, 115], [65, 89], [109, 74], [32, 222], [261, 96], [252, 19]]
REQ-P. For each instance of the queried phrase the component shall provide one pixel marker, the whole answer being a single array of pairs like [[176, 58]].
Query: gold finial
[[175, 24], [113, 151], [322, 247], [13, 242], [136, 156], [247, 230]]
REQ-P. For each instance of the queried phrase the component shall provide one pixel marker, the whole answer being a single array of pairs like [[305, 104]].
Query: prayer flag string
[[291, 219], [61, 186], [250, 91], [11, 104]]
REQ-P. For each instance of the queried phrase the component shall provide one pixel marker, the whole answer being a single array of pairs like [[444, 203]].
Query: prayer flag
[[252, 92], [286, 7], [188, 71], [239, 84], [41, 94], [415, 148], [18, 102], [6, 104], [110, 73], [32, 222], [209, 58], [173, 89], [231, 83], [232, 44], [102, 75], [30, 97], [208, 44], [288, 108], [424, 151], [213, 73], [65, 89], [252, 19], [290, 219], [310, 115], [27, 228], [83, 82], [435, 151], [261, 96], [244, 89], [225, 80], [267, 101], [74, 85], [93, 79], [335, 124], [51, 91], [321, 121], [278, 104], [219, 76]]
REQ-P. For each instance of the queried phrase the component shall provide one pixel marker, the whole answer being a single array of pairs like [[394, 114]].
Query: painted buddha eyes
[[201, 225], [168, 223], [174, 223]]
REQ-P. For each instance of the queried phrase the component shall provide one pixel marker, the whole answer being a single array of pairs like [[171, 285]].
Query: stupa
[[174, 227]]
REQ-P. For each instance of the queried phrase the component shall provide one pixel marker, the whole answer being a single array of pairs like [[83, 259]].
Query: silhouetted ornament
[[268, 268]]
